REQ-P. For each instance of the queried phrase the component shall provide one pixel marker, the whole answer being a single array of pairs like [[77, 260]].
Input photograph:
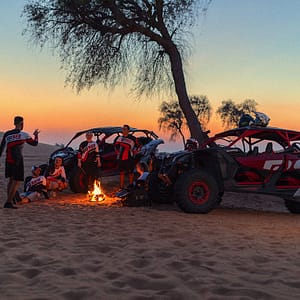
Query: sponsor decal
[[14, 137], [273, 165]]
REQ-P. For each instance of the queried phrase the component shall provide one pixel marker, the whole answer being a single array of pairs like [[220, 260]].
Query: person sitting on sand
[[142, 170], [139, 183], [56, 177], [35, 187]]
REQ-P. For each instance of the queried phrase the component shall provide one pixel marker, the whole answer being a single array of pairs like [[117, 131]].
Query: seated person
[[142, 170], [137, 194], [140, 182], [34, 187], [56, 177]]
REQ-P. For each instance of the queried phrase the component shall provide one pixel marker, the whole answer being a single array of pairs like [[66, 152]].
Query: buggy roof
[[109, 130], [282, 136]]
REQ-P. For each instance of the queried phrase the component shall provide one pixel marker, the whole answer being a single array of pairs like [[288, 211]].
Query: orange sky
[[242, 49]]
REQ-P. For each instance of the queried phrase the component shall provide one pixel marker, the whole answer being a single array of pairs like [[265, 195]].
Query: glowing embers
[[96, 195]]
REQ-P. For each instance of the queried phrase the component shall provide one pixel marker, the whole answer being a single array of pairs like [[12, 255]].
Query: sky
[[241, 50]]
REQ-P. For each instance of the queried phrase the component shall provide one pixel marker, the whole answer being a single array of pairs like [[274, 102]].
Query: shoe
[[9, 205], [122, 193], [17, 198]]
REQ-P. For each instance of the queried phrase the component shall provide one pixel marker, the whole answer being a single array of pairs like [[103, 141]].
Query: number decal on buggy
[[273, 165]]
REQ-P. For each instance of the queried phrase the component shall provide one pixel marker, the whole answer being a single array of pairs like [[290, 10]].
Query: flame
[[96, 194]]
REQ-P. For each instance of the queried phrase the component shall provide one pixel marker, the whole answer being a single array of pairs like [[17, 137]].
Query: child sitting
[[56, 177], [34, 187]]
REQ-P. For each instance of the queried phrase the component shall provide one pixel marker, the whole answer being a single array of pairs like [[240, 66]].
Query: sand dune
[[70, 248]]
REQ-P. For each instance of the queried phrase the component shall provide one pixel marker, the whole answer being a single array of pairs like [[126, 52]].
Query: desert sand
[[70, 248]]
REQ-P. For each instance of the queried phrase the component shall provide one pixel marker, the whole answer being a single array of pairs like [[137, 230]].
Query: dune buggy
[[262, 160], [105, 137]]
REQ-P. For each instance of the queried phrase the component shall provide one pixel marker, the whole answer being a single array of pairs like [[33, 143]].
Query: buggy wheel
[[292, 206], [196, 192], [158, 192], [78, 181]]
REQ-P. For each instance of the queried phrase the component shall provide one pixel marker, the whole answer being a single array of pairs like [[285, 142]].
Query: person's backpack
[[137, 197]]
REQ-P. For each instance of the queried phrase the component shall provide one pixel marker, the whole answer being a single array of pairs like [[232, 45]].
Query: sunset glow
[[241, 50]]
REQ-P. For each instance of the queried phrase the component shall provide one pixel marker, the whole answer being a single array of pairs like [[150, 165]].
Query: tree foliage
[[172, 118], [202, 109], [110, 42], [230, 112]]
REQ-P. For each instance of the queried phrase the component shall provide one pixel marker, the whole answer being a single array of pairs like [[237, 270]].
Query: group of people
[[37, 185], [54, 178]]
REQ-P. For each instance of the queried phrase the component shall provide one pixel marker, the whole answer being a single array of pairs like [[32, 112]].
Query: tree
[[173, 119], [202, 109], [230, 112], [107, 41]]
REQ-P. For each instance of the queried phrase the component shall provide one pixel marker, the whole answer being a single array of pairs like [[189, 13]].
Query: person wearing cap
[[89, 158], [35, 186], [56, 176], [14, 140]]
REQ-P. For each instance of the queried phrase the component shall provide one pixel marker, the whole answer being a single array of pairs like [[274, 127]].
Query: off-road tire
[[292, 206], [196, 191], [78, 181]]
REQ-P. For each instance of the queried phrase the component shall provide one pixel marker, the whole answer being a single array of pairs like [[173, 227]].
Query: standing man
[[125, 147], [89, 158], [14, 141]]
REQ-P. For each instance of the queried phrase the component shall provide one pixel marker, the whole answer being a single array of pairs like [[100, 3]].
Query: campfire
[[96, 194]]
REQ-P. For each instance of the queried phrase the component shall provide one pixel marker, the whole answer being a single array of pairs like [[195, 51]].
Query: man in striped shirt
[[125, 146], [89, 158], [14, 141]]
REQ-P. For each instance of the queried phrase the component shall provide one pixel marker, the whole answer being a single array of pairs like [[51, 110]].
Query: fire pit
[[96, 195]]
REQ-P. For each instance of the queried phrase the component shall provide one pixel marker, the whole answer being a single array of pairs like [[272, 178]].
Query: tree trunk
[[182, 136], [180, 87]]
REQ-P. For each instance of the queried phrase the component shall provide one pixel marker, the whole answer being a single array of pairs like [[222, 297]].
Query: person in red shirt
[[14, 141], [89, 158], [125, 146]]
